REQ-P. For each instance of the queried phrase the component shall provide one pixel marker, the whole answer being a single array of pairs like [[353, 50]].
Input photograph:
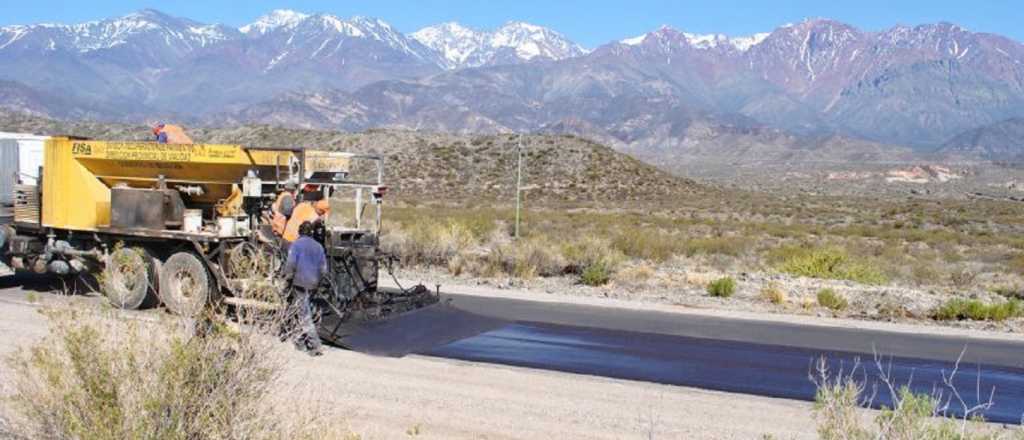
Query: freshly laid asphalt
[[744, 356]]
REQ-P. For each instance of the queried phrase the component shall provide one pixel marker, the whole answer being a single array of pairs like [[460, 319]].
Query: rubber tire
[[186, 285], [143, 293]]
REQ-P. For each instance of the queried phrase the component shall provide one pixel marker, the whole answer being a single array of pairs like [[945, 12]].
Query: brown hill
[[443, 168]]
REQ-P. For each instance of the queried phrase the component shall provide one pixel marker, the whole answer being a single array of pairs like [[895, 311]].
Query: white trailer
[[21, 156]]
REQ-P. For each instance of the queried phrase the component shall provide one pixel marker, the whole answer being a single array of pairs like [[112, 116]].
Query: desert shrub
[[962, 279], [430, 242], [590, 251], [646, 244], [912, 416], [773, 294], [100, 376], [829, 263], [831, 300], [1012, 292], [523, 259], [722, 287], [924, 274], [1015, 264], [971, 309], [891, 309], [636, 273], [596, 274], [837, 410], [730, 246]]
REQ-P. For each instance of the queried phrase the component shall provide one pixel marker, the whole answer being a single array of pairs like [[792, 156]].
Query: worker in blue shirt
[[306, 267]]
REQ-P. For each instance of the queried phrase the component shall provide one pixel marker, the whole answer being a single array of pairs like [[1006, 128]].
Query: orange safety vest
[[304, 212], [279, 222]]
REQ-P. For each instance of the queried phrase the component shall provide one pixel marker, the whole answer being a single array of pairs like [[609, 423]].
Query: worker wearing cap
[[283, 208], [159, 133], [306, 267], [305, 212]]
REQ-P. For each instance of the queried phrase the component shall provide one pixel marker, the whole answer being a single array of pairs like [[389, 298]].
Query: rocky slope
[[1002, 141]]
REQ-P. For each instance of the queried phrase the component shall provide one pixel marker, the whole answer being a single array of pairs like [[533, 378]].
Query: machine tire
[[131, 278], [185, 284]]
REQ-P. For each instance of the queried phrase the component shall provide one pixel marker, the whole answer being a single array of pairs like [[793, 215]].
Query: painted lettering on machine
[[153, 152]]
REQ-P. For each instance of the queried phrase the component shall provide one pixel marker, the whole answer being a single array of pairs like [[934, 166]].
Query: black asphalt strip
[[743, 356], [738, 367], [419, 331]]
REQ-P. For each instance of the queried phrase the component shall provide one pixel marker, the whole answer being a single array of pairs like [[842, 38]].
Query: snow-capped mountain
[[915, 85], [290, 37], [703, 41], [513, 43], [324, 29], [148, 33], [276, 19]]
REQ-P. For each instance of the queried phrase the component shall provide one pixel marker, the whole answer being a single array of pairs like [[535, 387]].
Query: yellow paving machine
[[186, 225]]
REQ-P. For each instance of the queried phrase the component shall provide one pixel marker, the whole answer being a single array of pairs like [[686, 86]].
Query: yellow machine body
[[78, 174]]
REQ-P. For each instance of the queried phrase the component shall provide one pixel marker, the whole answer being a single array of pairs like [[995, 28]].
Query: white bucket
[[193, 223], [226, 227]]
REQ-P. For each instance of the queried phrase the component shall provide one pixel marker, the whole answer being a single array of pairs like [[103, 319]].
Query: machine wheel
[[185, 284], [130, 278]]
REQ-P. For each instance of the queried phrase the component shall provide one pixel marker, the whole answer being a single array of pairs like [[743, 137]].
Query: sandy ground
[[421, 397]]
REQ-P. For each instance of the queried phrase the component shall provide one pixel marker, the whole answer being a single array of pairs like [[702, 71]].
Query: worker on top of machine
[[310, 210], [306, 267], [283, 208], [170, 134]]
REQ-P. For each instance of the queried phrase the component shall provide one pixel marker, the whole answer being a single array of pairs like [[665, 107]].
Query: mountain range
[[669, 95]]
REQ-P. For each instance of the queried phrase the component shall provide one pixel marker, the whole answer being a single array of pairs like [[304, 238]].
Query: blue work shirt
[[307, 261]]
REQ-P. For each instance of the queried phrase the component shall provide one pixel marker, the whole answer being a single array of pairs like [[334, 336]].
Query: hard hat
[[290, 186]]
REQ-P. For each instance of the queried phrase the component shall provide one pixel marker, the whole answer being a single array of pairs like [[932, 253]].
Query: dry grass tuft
[[638, 273], [774, 294], [100, 376]]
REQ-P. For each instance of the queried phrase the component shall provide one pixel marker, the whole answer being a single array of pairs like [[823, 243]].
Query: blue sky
[[591, 23]]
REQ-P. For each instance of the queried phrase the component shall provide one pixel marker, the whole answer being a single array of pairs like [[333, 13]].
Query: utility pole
[[519, 186]]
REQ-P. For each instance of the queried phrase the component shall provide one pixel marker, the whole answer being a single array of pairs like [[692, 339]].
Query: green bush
[[722, 287], [972, 309], [828, 263], [596, 274], [831, 300]]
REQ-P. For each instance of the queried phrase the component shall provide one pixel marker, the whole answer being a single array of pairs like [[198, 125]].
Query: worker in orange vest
[[305, 212], [283, 208]]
